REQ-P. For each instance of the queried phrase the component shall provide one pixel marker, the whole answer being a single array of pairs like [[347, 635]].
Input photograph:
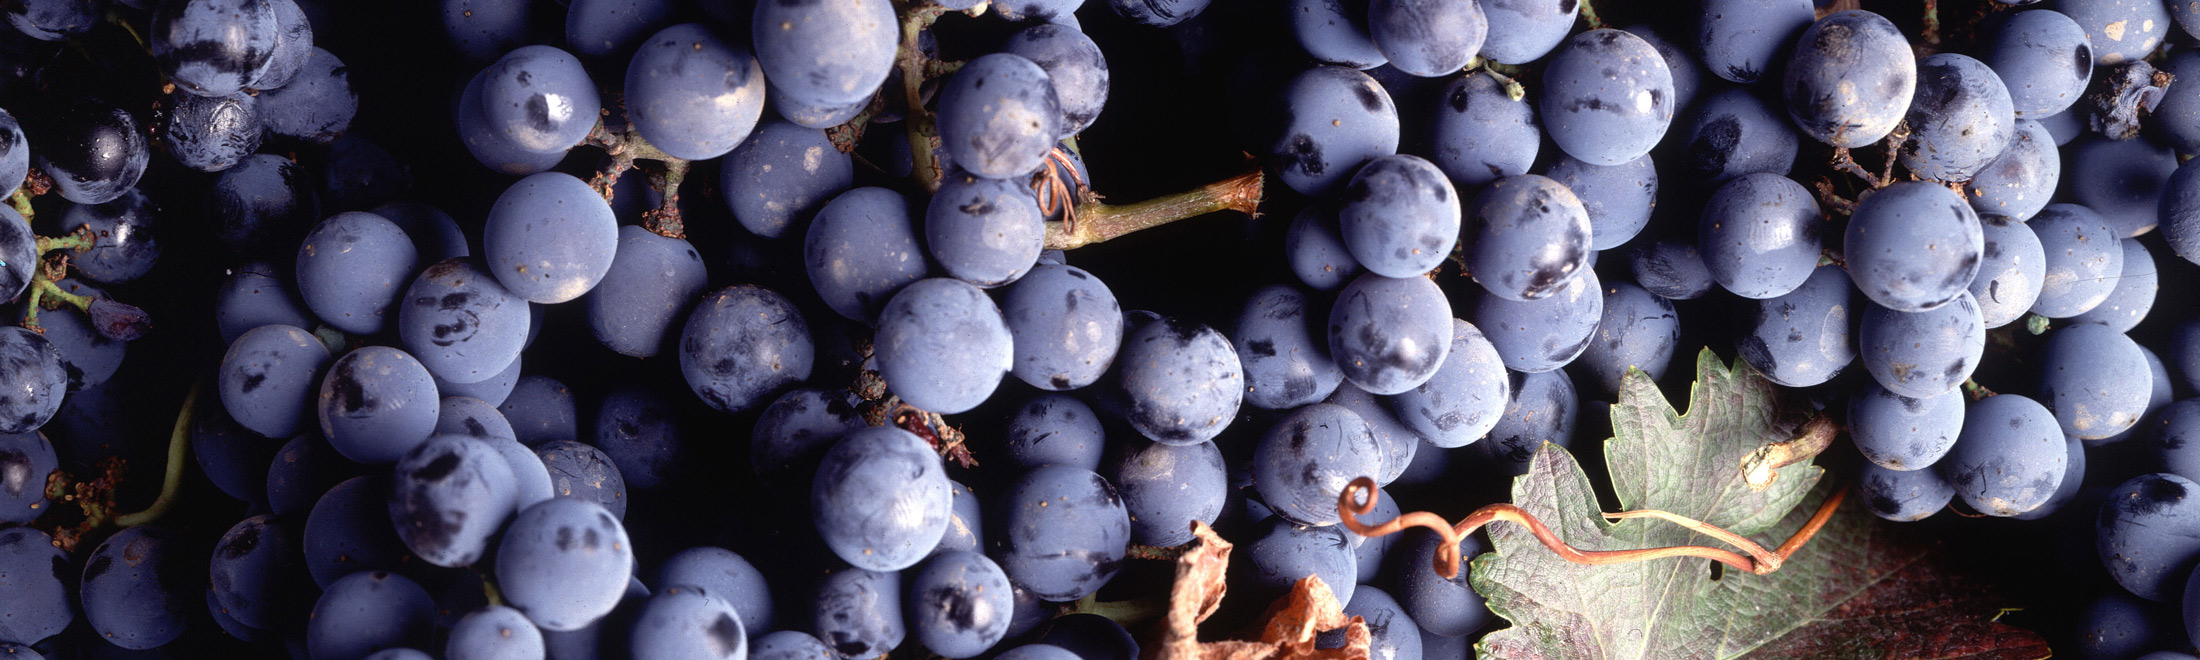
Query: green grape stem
[[22, 201], [1098, 222], [172, 482], [916, 17]]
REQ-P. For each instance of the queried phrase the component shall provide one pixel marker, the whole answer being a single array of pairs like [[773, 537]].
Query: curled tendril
[[1758, 560], [1056, 187]]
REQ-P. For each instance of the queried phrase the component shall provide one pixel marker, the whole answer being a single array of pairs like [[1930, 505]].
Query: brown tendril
[[1758, 560]]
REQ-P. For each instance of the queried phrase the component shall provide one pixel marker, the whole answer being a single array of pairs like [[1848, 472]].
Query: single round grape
[[352, 268], [1903, 496], [449, 496], [692, 94], [541, 99], [1285, 552], [1741, 39], [2149, 535], [268, 379], [861, 249], [726, 577], [2095, 380], [1637, 331], [349, 531], [1923, 354], [211, 134], [2019, 182], [1760, 235], [2157, 402], [1960, 118], [2123, 180], [130, 593], [94, 151], [360, 174], [2178, 111], [1801, 338], [125, 243], [687, 622], [2119, 625], [2073, 480], [2010, 457], [1389, 335], [1439, 605], [1850, 79], [494, 633], [1306, 459], [461, 324], [550, 238], [88, 358], [2119, 31], [1618, 198], [986, 232], [652, 281], [881, 499], [540, 410], [942, 345], [1062, 532], [1913, 246], [858, 612], [488, 145], [317, 105], [564, 562], [1065, 324], [1897, 432], [1286, 364], [583, 472], [2045, 61], [1466, 396], [1055, 429], [254, 295], [1314, 245], [1400, 216], [293, 45], [1337, 33], [15, 154], [1522, 32], [1180, 380], [1607, 96], [1736, 133], [259, 574], [796, 430], [2084, 258], [1543, 409], [1168, 487], [1398, 442], [261, 206], [1429, 38], [53, 20], [1336, 119], [366, 611], [783, 174], [965, 522], [1481, 133], [376, 404], [826, 52], [644, 436], [1674, 270], [26, 460], [1075, 67], [303, 470], [2133, 296], [213, 49], [999, 116], [34, 601], [612, 29], [960, 604], [1545, 334], [2180, 213]]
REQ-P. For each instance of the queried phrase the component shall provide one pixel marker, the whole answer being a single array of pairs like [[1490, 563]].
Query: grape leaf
[[1691, 465]]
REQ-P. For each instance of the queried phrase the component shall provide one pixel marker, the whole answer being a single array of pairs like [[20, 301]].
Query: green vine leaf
[[1823, 602]]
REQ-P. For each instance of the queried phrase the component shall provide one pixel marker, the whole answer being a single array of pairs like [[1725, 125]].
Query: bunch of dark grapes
[[802, 329]]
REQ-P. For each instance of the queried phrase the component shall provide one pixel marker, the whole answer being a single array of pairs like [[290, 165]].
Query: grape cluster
[[601, 329]]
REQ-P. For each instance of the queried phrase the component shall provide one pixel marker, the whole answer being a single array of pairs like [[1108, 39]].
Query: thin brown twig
[[1759, 560]]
